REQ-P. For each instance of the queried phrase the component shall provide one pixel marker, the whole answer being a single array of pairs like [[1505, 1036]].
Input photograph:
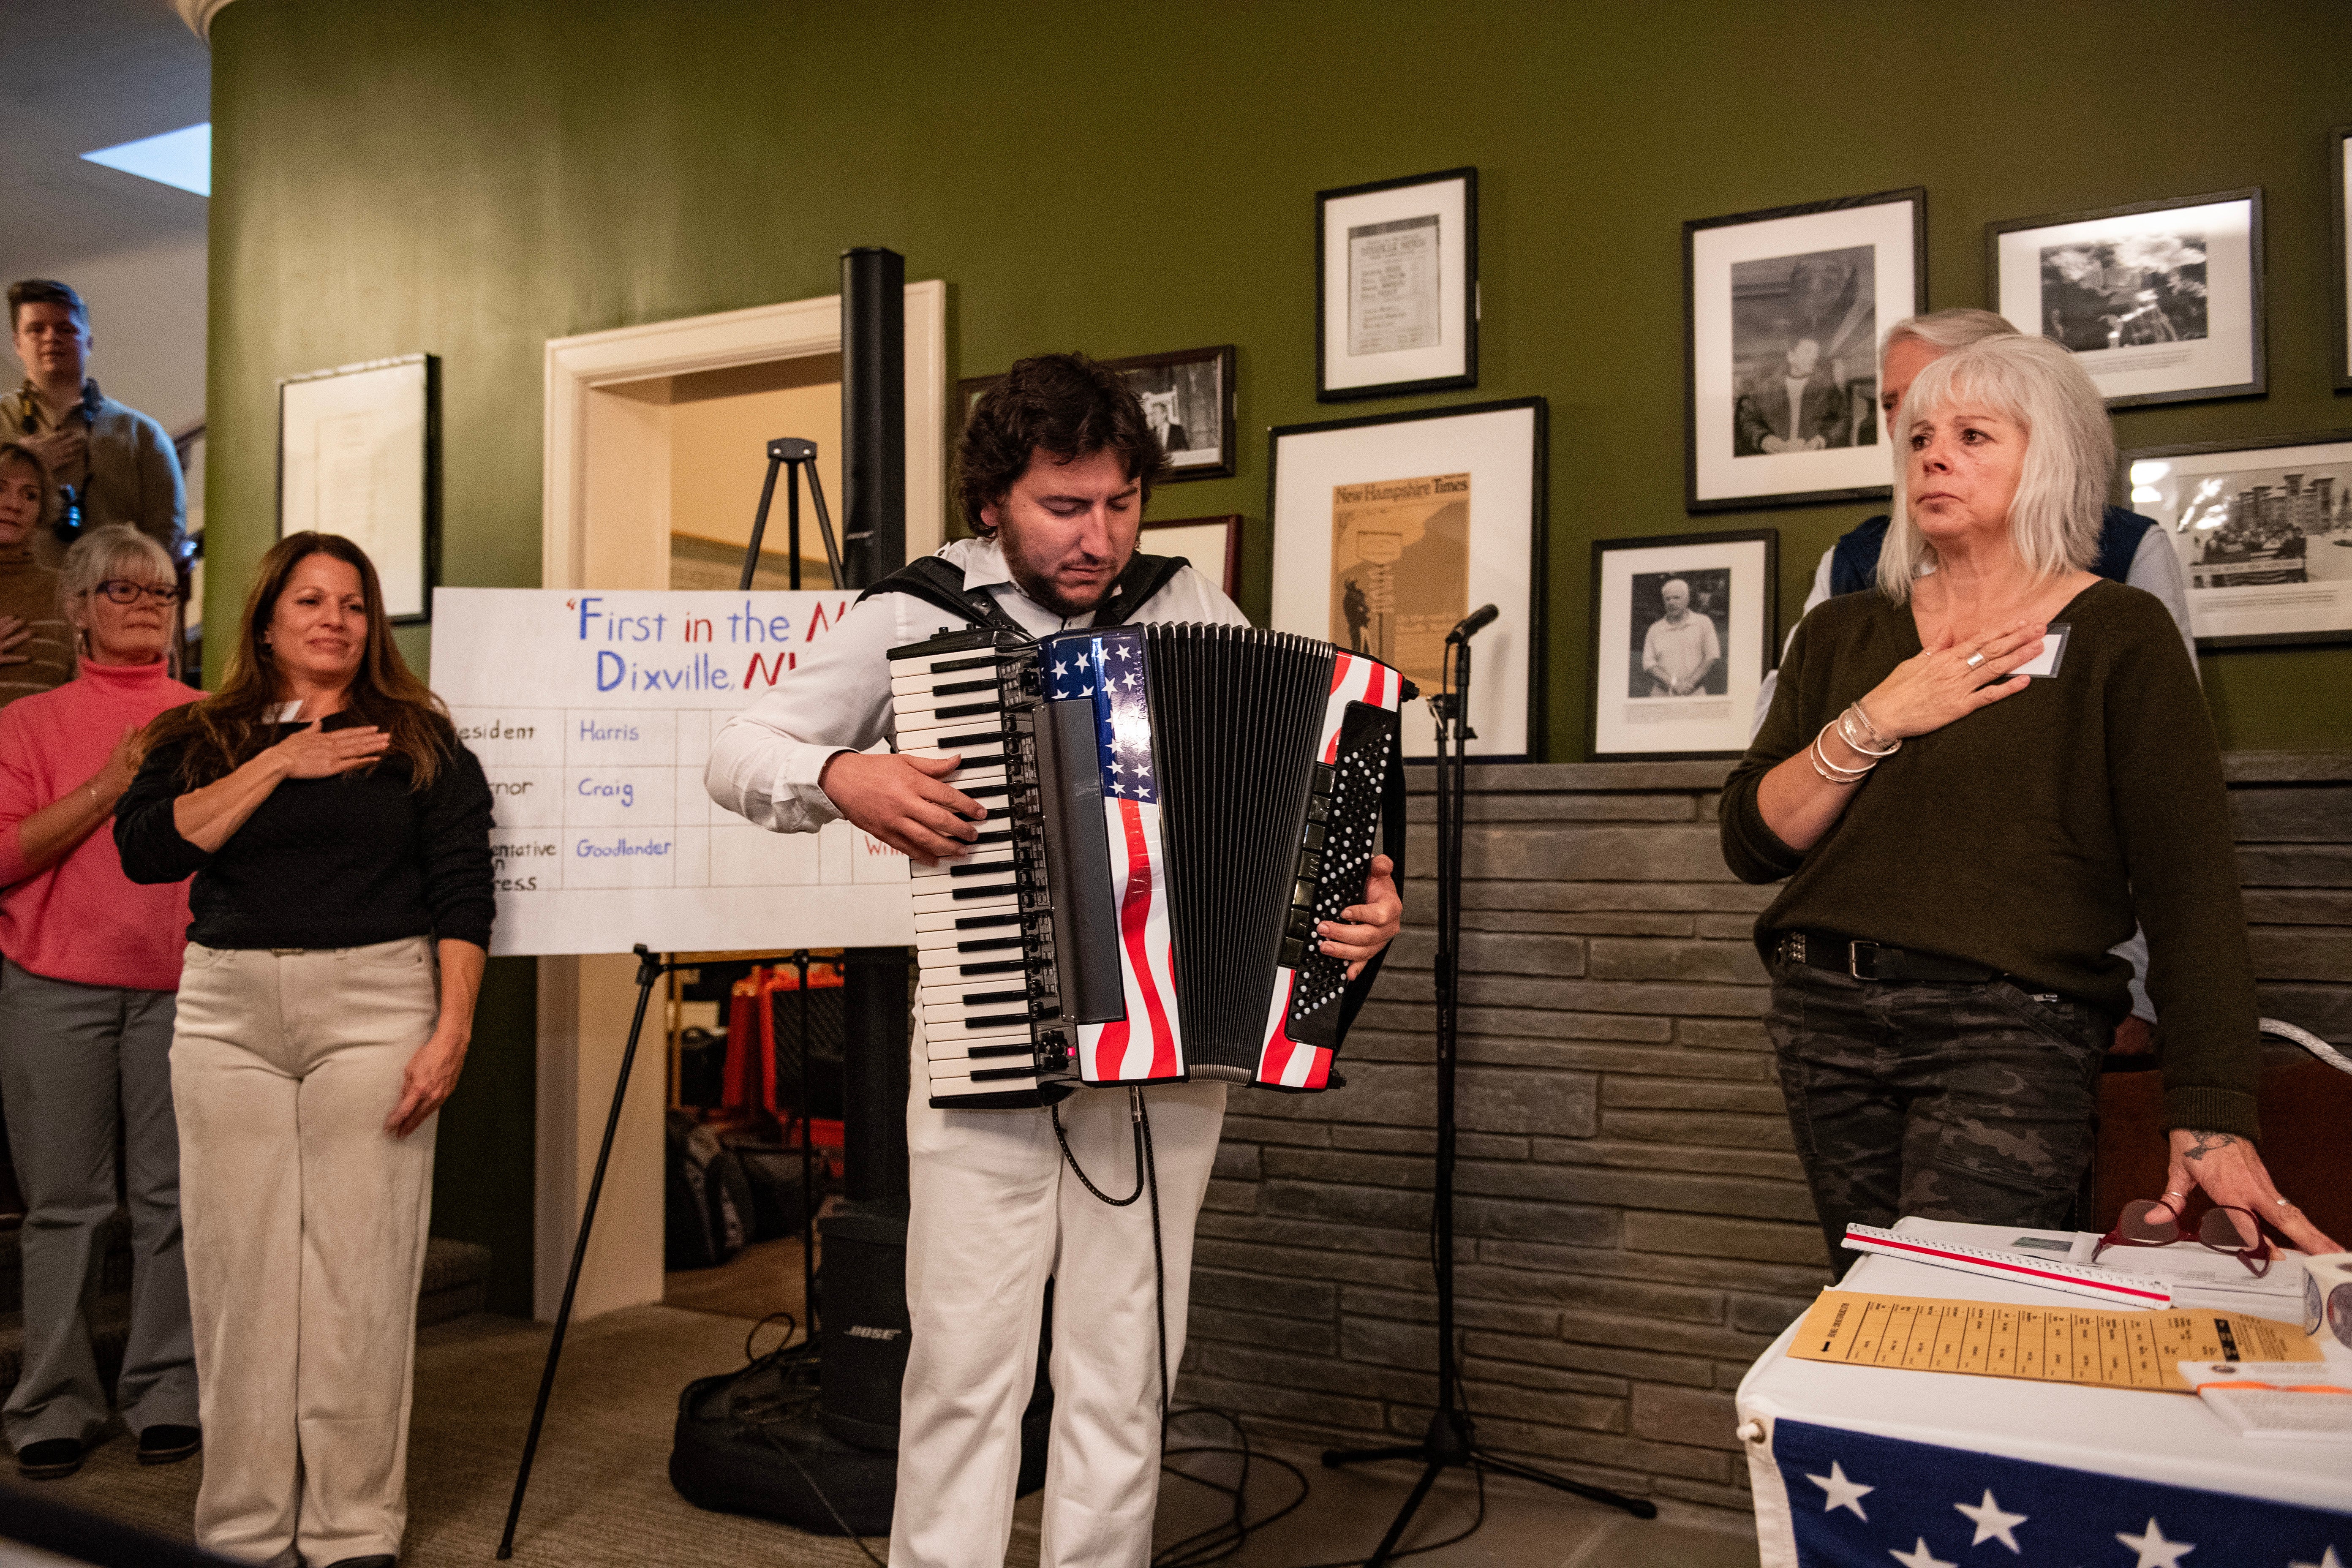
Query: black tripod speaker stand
[[1452, 1440]]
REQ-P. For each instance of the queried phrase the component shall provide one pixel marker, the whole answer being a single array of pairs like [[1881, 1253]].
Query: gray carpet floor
[[600, 1493], [601, 1497]]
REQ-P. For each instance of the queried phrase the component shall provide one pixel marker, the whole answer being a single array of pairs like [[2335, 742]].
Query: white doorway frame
[[604, 523]]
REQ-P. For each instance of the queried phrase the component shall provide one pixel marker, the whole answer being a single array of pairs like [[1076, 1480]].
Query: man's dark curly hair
[[1066, 405]]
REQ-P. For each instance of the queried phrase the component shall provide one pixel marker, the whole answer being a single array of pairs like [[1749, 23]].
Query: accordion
[[1171, 810]]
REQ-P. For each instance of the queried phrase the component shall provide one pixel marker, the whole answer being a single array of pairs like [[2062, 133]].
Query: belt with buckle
[[1876, 961]]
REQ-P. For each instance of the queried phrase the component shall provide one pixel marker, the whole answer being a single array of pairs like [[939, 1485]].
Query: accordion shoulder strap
[[1137, 586], [1392, 837], [937, 582]]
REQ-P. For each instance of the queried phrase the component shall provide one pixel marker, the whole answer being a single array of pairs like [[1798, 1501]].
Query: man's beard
[[1061, 603], [1044, 590]]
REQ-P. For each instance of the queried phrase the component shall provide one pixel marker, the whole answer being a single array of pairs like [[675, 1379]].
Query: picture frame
[[359, 454], [1390, 527], [1725, 640], [1396, 287], [1193, 388], [1782, 310], [2339, 251], [1213, 545], [2259, 526], [2162, 301]]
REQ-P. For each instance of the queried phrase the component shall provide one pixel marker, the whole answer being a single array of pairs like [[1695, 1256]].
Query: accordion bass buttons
[[1298, 926]]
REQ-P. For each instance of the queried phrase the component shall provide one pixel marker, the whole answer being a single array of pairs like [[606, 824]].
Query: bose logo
[[863, 1331]]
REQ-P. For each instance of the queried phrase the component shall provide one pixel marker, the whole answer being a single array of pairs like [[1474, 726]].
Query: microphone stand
[[1452, 1439]]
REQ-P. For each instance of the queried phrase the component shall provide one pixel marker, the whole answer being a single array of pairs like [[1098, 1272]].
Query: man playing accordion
[[1054, 468]]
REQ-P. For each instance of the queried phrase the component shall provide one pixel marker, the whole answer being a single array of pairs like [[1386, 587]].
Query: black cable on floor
[[1225, 1537]]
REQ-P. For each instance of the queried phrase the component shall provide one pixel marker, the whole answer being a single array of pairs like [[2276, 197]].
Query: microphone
[[1477, 621]]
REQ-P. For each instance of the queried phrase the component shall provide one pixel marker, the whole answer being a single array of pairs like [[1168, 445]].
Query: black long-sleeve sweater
[[333, 862], [2023, 836]]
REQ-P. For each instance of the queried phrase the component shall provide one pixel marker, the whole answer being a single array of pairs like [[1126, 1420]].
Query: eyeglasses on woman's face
[[122, 590]]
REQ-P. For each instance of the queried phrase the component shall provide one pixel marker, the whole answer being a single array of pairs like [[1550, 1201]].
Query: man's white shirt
[[765, 761]]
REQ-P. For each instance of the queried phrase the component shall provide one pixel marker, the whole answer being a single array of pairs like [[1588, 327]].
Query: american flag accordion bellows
[[1171, 810], [1857, 1499]]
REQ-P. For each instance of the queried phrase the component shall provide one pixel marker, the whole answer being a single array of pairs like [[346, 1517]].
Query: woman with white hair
[[1969, 778], [87, 994]]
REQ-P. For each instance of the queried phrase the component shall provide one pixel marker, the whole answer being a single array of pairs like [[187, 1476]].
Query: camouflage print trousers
[[1957, 1102]]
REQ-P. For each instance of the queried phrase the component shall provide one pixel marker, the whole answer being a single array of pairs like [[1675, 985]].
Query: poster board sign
[[592, 714]]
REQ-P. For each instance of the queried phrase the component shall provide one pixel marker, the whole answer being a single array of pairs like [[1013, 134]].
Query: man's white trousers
[[994, 1213]]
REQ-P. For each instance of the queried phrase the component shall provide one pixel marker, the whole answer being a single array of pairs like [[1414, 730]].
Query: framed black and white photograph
[[358, 455], [1213, 545], [1396, 287], [1782, 313], [1683, 628], [2339, 248], [2162, 302], [1188, 395], [2263, 530], [1389, 530]]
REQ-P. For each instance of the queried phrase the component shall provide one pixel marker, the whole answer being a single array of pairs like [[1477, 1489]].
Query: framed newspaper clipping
[[1396, 287], [1389, 530], [2162, 302], [1782, 311], [2263, 530], [1681, 634]]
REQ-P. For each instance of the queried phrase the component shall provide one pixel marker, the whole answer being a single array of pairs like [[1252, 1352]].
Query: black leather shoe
[[168, 1445], [379, 1561], [49, 1459]]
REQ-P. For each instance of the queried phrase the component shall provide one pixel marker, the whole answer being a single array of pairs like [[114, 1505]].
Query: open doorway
[[720, 421], [656, 448]]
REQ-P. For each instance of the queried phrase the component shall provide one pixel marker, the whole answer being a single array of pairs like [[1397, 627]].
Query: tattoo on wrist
[[2207, 1142]]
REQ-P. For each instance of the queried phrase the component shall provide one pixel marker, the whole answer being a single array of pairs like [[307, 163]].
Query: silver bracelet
[[1846, 726], [1830, 770], [1875, 732]]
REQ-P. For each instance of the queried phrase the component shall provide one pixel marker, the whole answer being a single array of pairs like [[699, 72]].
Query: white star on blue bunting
[[2077, 1517]]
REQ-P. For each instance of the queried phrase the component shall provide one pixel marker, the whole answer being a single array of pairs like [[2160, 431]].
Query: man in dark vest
[[1052, 470]]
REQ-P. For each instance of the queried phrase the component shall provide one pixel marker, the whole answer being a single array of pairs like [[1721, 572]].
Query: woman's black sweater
[[333, 862]]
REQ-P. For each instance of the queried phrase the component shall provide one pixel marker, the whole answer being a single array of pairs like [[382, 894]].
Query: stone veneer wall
[[1632, 1226]]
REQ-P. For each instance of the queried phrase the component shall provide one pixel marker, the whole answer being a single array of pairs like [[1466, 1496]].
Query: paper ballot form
[[2092, 1345]]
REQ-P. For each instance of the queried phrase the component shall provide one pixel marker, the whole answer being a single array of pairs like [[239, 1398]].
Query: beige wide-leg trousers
[[306, 1225]]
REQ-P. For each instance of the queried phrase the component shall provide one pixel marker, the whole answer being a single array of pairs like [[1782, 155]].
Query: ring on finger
[[1973, 660]]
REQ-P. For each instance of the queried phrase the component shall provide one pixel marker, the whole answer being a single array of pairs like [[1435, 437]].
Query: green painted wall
[[393, 175]]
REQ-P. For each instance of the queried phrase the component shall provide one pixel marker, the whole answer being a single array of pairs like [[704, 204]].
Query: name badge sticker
[[2044, 664]]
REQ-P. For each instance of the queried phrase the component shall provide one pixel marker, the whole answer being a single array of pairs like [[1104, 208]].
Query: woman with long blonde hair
[[339, 835], [1972, 779]]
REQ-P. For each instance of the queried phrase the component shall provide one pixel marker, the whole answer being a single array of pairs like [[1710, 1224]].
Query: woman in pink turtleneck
[[89, 962]]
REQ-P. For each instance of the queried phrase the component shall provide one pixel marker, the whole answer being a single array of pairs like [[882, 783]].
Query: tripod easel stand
[[650, 969]]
